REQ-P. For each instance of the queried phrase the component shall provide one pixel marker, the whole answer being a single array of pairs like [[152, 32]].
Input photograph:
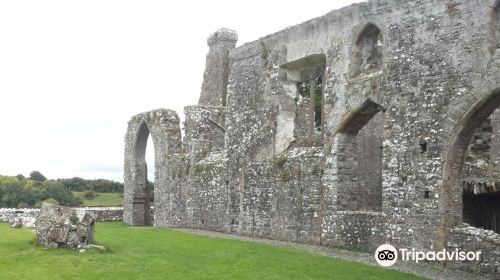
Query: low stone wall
[[467, 238], [28, 215], [105, 214]]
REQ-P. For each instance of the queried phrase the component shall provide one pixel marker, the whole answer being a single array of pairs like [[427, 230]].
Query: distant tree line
[[19, 191], [15, 192], [77, 184]]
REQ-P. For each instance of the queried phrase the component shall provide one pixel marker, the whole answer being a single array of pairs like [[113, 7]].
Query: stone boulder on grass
[[64, 227]]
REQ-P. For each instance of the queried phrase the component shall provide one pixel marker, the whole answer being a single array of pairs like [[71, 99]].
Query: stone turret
[[213, 90]]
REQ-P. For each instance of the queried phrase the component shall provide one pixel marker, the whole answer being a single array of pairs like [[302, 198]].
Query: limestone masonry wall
[[28, 215], [351, 129]]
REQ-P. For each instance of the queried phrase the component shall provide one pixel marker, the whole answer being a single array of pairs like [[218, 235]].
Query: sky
[[72, 73]]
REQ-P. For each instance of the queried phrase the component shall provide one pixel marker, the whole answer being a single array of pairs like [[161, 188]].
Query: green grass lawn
[[148, 253], [102, 199]]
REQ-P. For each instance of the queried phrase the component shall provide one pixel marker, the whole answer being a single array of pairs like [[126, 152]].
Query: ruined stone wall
[[405, 84], [28, 215], [281, 199], [495, 144], [163, 126], [470, 239], [204, 130], [206, 193]]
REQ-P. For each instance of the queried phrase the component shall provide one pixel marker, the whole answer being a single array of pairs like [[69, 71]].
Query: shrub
[[89, 195], [73, 219], [23, 205], [52, 201]]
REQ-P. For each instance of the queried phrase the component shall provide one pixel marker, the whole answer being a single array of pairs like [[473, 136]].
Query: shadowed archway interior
[[142, 191], [471, 173]]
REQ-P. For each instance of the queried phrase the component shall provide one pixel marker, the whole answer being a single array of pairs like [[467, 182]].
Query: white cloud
[[72, 73]]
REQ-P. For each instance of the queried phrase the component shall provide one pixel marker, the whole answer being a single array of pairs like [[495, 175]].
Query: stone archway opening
[[357, 153], [162, 125], [150, 179], [471, 173], [143, 191]]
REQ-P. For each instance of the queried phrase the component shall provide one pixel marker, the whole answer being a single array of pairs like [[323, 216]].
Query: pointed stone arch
[[450, 194], [163, 126]]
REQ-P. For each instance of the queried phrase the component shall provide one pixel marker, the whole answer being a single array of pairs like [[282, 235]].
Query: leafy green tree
[[99, 185], [105, 186], [76, 184], [9, 181], [19, 191], [37, 176], [57, 191], [15, 192]]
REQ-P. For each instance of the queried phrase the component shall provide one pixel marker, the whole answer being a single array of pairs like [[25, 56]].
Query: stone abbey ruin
[[373, 124]]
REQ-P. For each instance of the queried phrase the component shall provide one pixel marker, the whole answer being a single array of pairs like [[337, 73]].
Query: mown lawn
[[102, 199], [147, 253]]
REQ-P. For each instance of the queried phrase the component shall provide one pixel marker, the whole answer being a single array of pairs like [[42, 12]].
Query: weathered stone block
[[58, 226]]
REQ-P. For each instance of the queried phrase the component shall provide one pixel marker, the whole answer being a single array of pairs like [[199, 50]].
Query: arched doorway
[[162, 127], [140, 192], [469, 193], [357, 151]]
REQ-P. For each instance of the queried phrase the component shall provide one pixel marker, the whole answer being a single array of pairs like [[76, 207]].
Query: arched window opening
[[367, 53], [358, 155]]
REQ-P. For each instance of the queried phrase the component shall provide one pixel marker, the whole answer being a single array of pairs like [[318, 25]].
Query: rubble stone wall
[[469, 239], [28, 215], [254, 162]]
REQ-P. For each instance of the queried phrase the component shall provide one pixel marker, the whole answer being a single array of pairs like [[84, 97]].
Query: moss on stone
[[285, 177], [316, 170], [280, 161]]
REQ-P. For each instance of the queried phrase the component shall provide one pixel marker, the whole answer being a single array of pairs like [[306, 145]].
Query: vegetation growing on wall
[[280, 161], [285, 177]]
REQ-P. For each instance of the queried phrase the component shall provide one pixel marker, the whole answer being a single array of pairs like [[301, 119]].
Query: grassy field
[[147, 253], [102, 199]]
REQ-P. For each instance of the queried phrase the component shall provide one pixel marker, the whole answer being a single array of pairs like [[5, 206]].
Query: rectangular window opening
[[318, 102]]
